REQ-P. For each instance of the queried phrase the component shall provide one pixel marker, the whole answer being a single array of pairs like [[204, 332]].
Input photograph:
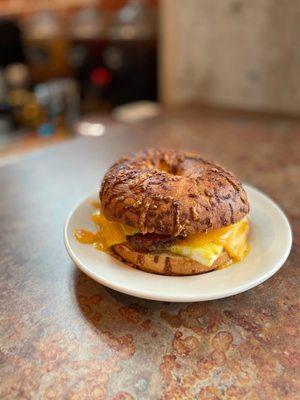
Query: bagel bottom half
[[166, 263]]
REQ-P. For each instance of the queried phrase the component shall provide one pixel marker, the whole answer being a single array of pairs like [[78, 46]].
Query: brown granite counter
[[64, 336]]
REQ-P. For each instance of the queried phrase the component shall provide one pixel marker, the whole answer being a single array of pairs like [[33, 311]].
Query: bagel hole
[[164, 167]]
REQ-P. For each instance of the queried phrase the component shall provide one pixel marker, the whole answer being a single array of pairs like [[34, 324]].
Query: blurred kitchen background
[[70, 67]]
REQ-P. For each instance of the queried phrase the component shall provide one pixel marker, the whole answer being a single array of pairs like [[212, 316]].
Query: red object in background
[[116, 61], [116, 5], [101, 76], [112, 5], [152, 3]]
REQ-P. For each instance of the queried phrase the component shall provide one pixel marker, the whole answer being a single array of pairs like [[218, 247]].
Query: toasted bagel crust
[[172, 193], [166, 263]]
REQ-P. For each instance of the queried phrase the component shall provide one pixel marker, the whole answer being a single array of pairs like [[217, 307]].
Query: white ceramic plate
[[270, 240]]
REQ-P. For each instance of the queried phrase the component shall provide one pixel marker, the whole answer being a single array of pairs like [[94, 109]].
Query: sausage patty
[[150, 242]]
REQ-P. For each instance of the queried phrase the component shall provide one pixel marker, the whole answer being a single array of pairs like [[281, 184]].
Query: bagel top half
[[172, 193]]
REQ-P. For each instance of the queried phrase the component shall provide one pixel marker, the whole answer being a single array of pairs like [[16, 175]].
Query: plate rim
[[145, 294]]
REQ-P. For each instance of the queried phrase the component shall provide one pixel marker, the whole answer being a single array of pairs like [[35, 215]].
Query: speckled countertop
[[63, 336]]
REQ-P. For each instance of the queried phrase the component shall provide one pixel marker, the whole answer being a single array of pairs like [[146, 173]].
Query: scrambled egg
[[206, 247]]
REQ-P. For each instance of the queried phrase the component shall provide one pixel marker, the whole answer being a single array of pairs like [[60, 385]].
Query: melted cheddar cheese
[[108, 232], [207, 247], [204, 247]]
